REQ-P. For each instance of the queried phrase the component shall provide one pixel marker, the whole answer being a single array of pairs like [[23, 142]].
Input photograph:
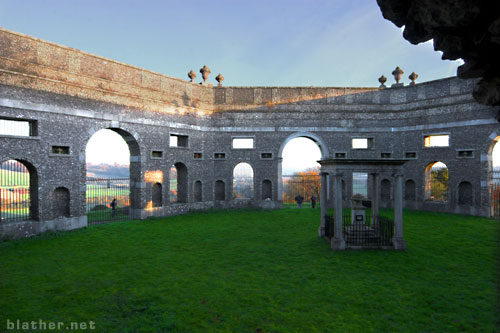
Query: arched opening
[[178, 183], [18, 191], [220, 190], [410, 194], [494, 177], [157, 195], [243, 181], [465, 193], [385, 191], [436, 182], [112, 163], [298, 169], [267, 190], [198, 190], [61, 202]]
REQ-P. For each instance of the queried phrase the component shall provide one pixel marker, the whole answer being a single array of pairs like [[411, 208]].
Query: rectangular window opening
[[442, 140], [157, 154], [242, 143], [219, 156], [197, 156], [266, 156], [362, 143], [385, 155], [59, 150], [17, 127], [410, 154], [340, 155], [177, 140], [465, 153]]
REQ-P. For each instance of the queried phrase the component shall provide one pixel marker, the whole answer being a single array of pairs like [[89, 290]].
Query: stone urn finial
[[219, 79], [205, 72], [413, 76], [356, 201], [398, 73], [192, 75], [382, 80]]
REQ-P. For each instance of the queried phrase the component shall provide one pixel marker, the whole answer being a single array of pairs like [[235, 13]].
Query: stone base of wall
[[23, 229]]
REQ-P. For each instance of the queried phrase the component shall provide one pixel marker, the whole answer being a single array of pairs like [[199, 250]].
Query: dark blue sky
[[265, 43]]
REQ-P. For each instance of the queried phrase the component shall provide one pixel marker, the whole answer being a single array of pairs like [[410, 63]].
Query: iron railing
[[374, 232], [100, 194], [14, 191], [495, 194]]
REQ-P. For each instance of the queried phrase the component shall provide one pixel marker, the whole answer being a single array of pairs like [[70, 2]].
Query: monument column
[[398, 239], [337, 242], [375, 194], [323, 203]]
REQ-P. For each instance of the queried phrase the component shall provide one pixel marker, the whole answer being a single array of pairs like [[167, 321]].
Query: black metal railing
[[14, 191], [100, 195], [372, 232], [495, 194]]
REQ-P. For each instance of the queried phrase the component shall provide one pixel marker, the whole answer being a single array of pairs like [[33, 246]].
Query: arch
[[18, 191], [314, 137], [178, 183], [157, 195], [465, 196], [410, 193], [243, 181], [220, 190], [267, 189], [436, 182], [126, 189], [60, 202], [198, 191], [385, 190]]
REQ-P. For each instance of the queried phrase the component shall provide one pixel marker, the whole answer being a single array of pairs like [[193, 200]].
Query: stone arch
[[243, 181], [19, 191], [157, 195], [198, 191], [267, 189], [436, 182], [465, 193], [385, 190], [135, 169], [410, 190], [315, 138], [220, 190], [60, 202], [178, 183]]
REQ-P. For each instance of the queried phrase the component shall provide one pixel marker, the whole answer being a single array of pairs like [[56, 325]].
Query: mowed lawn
[[248, 271]]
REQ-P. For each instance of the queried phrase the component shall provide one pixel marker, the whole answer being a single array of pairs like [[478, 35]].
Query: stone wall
[[64, 100]]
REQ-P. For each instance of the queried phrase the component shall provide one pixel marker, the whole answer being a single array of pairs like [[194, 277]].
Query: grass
[[247, 270]]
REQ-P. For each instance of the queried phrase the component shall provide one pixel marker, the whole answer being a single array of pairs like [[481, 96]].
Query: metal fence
[[100, 194], [375, 231], [14, 191], [305, 185], [495, 194]]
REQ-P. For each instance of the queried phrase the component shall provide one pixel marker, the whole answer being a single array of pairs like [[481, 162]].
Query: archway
[[436, 182], [178, 183], [113, 163], [298, 170], [494, 175], [243, 181], [18, 191]]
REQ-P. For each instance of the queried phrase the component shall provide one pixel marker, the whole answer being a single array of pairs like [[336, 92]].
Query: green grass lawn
[[247, 270]]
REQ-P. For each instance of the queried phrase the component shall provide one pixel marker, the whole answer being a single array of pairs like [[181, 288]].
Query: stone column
[[375, 194], [323, 203], [279, 193], [398, 240], [337, 242]]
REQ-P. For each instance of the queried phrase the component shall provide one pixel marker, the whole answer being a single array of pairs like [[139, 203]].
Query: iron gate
[[100, 193]]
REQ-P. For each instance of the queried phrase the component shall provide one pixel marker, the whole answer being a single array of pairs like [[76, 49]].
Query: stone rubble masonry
[[72, 94]]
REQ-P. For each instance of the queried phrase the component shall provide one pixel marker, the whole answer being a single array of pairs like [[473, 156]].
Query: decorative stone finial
[[413, 76], [382, 80], [192, 75], [205, 72], [398, 73], [219, 79]]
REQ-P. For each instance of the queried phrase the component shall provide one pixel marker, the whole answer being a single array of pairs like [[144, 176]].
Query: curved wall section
[[65, 103]]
